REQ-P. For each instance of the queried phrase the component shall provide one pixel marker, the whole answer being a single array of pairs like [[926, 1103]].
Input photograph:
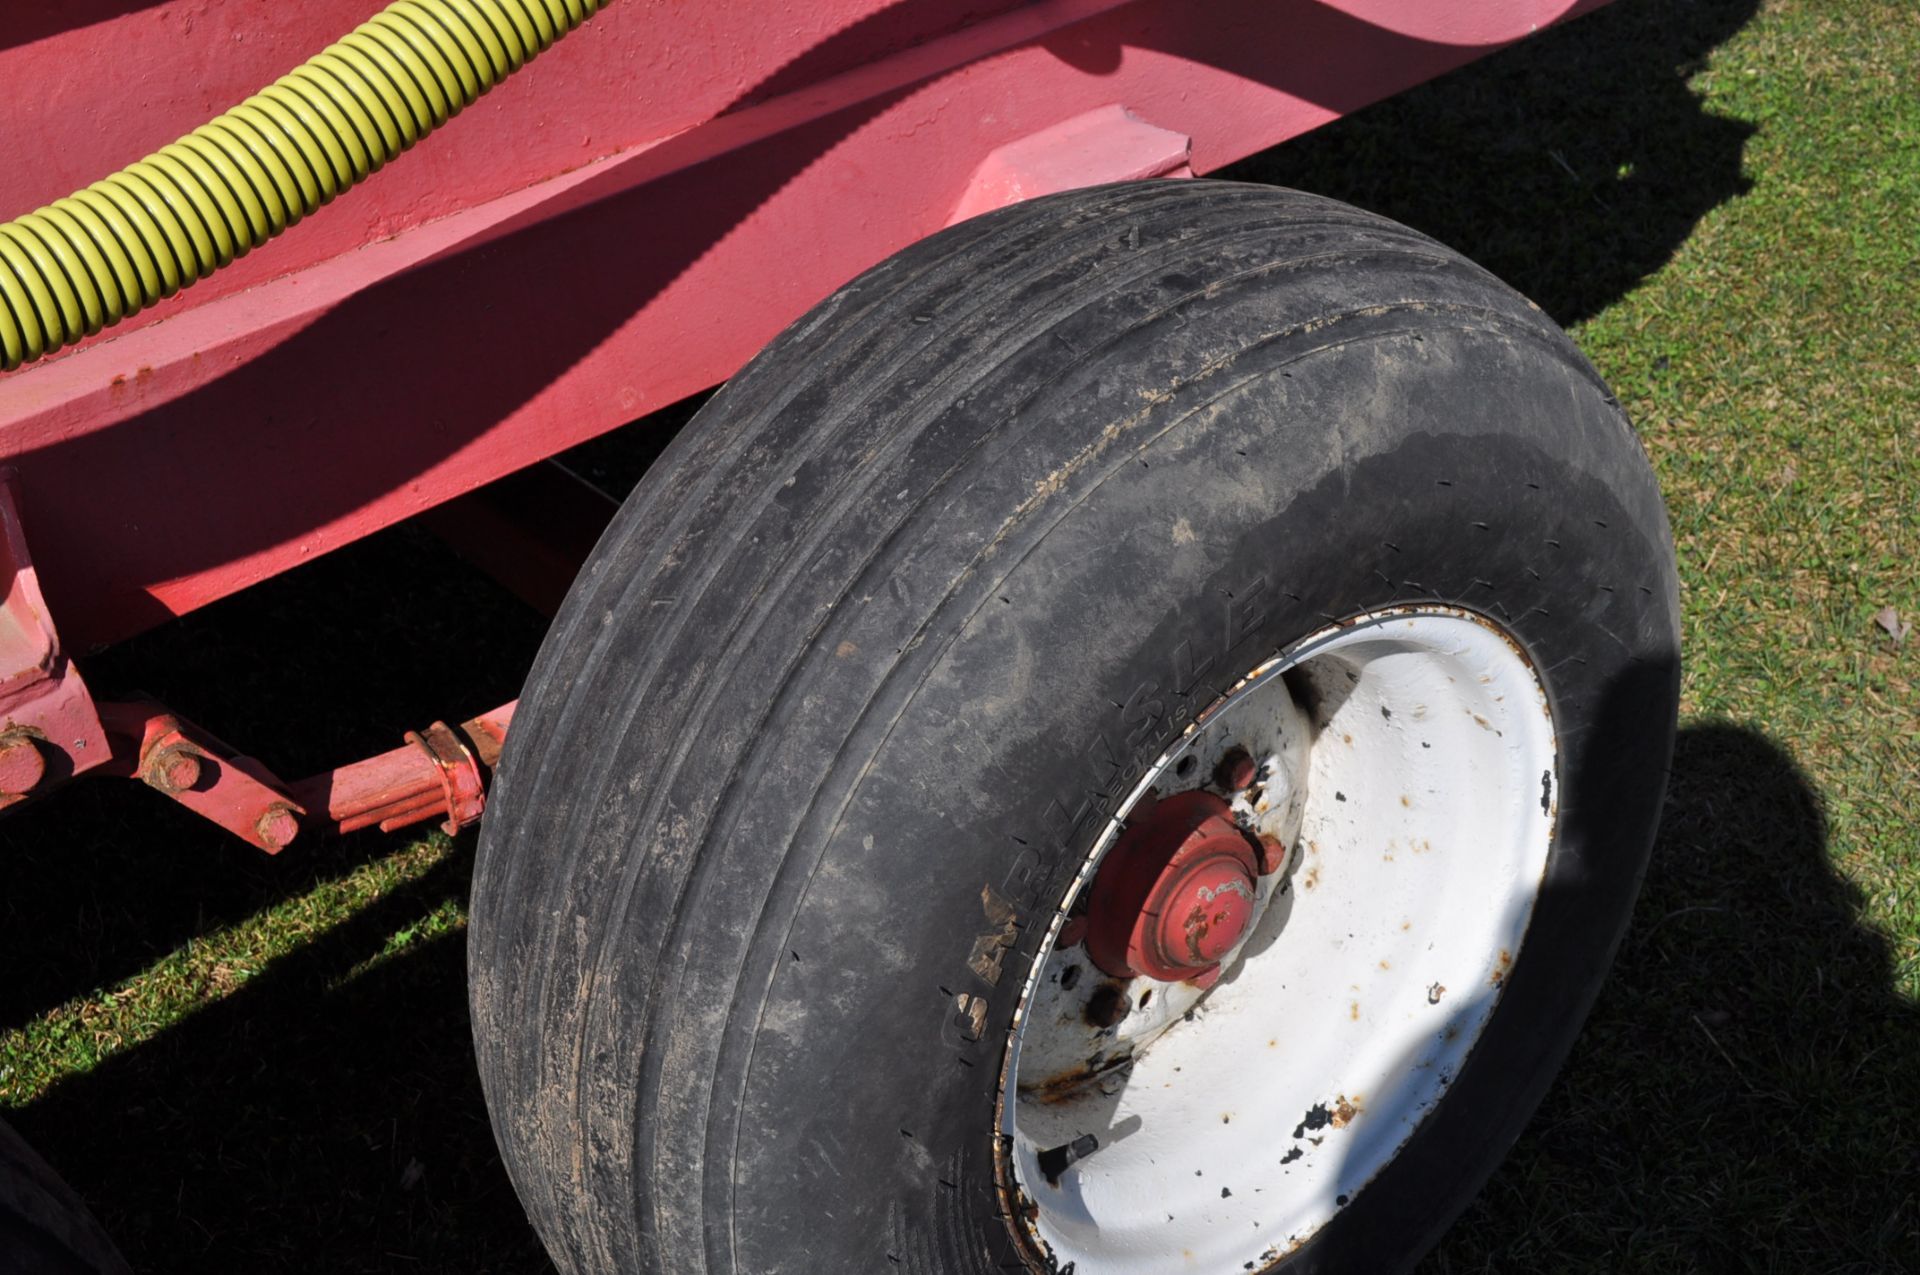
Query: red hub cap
[[1176, 893]]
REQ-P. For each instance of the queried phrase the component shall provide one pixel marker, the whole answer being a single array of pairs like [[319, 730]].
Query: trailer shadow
[[327, 1116], [31, 20], [1573, 165]]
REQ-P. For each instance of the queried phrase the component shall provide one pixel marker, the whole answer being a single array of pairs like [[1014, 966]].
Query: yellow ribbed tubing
[[101, 254]]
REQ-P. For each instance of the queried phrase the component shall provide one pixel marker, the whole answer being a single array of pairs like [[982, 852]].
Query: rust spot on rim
[[1068, 1085]]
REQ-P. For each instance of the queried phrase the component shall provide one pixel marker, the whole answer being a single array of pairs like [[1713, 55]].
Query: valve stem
[[1057, 1160]]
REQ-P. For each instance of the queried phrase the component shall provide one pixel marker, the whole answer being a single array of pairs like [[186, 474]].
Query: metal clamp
[[460, 778]]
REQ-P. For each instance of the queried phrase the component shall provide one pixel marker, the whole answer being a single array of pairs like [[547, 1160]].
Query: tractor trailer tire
[[1123, 742]]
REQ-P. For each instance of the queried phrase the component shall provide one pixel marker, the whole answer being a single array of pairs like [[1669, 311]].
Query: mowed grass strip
[[73, 1038]]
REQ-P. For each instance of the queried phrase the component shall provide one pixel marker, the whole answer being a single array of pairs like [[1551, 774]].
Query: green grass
[[72, 1038], [250, 1064]]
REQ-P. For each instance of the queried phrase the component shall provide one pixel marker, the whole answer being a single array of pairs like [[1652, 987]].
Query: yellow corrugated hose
[[101, 254]]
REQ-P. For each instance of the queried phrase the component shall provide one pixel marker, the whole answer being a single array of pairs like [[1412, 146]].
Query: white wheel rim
[[1430, 796]]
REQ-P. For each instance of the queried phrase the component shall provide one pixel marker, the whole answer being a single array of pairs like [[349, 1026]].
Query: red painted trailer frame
[[621, 226]]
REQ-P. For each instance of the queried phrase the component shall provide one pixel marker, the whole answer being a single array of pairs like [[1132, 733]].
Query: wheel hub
[[1177, 893]]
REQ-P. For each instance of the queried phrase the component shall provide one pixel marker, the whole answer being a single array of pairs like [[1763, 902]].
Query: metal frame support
[[49, 729], [441, 772], [180, 760]]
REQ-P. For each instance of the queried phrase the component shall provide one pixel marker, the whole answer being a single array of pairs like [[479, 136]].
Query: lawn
[[251, 1064]]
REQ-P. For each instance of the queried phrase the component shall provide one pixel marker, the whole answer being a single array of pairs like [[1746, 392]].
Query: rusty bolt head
[[1074, 931], [278, 826], [1108, 1005], [1207, 977], [22, 766], [1273, 854], [1236, 770], [173, 769]]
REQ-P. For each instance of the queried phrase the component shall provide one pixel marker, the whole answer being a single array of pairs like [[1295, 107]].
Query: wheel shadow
[[1572, 165], [1744, 1096]]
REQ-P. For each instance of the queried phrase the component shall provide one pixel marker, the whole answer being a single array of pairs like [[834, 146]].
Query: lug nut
[[1108, 1005], [1055, 1161], [1237, 770], [1273, 854]]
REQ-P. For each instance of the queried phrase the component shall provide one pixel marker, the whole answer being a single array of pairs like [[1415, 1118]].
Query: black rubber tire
[[44, 1228], [914, 599]]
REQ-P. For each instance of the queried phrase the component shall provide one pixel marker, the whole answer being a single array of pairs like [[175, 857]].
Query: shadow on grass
[[326, 1116], [330, 663], [1572, 165], [1743, 1097]]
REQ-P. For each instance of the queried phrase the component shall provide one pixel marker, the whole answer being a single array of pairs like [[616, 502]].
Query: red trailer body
[[622, 225]]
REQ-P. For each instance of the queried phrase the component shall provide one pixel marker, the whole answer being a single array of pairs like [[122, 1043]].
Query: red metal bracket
[[1109, 144], [442, 770], [203, 774], [49, 730], [463, 790]]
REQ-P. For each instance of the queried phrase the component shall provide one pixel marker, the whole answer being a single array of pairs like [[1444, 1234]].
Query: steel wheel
[[1208, 1065]]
